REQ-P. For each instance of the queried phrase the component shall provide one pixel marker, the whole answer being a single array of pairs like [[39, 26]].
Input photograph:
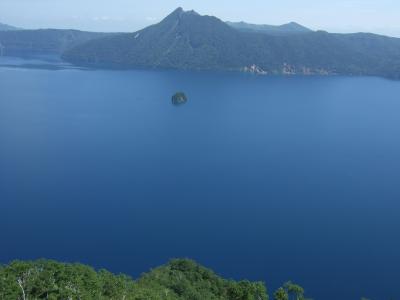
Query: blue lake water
[[265, 178]]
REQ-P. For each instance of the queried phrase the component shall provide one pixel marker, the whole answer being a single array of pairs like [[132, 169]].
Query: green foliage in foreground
[[290, 291], [179, 279]]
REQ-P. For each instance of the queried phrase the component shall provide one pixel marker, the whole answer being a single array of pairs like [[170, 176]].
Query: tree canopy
[[179, 279]]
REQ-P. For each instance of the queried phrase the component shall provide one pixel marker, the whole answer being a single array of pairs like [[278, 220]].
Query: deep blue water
[[265, 178]]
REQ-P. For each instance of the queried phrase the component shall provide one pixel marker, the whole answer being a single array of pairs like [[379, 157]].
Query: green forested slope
[[180, 279], [187, 40]]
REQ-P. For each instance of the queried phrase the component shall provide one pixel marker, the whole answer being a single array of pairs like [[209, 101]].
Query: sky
[[378, 16]]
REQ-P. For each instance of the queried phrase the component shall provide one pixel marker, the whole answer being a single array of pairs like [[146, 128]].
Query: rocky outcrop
[[179, 98]]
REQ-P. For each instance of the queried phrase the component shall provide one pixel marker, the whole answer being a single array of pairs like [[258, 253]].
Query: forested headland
[[178, 279]]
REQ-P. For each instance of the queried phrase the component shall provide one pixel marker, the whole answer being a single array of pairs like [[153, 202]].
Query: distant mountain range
[[187, 40], [289, 28], [5, 27], [43, 41]]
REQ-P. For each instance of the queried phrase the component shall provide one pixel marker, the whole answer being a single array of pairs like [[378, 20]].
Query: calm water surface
[[265, 178]]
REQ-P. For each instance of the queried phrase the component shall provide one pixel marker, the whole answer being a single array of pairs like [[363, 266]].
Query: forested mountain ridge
[[180, 279], [187, 40], [285, 29], [5, 27], [43, 41]]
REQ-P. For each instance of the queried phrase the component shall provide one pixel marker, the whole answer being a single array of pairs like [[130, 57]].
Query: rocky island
[[179, 98]]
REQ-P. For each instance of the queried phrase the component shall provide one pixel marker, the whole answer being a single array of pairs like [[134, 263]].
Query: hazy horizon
[[343, 16]]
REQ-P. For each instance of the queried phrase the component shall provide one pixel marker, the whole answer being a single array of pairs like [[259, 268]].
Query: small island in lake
[[179, 98]]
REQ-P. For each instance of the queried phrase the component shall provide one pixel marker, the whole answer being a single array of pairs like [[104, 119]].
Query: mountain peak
[[185, 40], [181, 16], [180, 11], [295, 27], [192, 12], [175, 14]]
